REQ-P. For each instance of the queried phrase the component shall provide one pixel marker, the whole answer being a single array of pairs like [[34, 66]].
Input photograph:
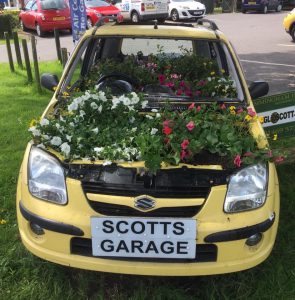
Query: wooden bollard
[[57, 43], [9, 51], [36, 66], [64, 56], [17, 50], [27, 60]]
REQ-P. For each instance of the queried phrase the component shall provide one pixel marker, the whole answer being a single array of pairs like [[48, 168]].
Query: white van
[[142, 10]]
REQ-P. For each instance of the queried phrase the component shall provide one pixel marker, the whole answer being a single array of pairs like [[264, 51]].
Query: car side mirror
[[49, 81], [258, 89]]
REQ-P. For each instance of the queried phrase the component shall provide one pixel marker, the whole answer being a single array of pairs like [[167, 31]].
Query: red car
[[45, 15], [98, 8]]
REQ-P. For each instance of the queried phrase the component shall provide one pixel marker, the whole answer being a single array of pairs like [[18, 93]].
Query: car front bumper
[[191, 13], [220, 239]]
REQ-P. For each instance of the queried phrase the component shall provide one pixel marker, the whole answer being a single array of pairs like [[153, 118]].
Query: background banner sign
[[278, 112], [79, 18]]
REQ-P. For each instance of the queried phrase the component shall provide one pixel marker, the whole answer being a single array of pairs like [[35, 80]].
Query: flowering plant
[[96, 127]]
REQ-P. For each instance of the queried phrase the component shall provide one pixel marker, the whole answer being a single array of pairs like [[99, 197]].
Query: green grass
[[23, 276]]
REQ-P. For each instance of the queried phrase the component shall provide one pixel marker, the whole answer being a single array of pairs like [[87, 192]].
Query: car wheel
[[174, 15], [244, 10], [22, 25], [40, 32], [89, 23], [264, 9], [135, 17], [279, 8], [292, 33]]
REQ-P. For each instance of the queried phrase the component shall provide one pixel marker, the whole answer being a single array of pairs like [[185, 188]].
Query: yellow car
[[289, 23], [150, 159]]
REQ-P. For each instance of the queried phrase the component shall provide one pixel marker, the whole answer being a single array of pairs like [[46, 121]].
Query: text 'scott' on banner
[[278, 112], [79, 18]]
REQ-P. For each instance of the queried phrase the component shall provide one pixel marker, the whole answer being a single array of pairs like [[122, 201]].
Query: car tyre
[[134, 17], [292, 33], [174, 15], [279, 8], [89, 23], [264, 9], [244, 10], [22, 25], [39, 30]]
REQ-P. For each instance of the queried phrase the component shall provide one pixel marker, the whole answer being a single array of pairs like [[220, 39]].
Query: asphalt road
[[266, 51]]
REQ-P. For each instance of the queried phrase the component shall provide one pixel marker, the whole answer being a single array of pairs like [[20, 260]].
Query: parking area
[[266, 51]]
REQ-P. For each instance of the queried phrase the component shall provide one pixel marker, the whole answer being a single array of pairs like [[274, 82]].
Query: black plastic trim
[[50, 224], [240, 233]]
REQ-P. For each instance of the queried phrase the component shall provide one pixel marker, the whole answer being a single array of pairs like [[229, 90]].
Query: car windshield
[[182, 1], [53, 4], [96, 3], [174, 69]]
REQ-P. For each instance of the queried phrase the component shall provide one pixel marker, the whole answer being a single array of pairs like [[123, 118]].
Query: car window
[[96, 3], [28, 5], [53, 4], [34, 6]]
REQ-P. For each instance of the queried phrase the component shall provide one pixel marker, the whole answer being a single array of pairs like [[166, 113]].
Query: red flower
[[188, 92], [190, 125], [166, 123], [182, 154], [279, 159], [179, 92], [251, 112], [191, 106], [182, 84], [237, 161], [184, 144], [167, 130], [161, 78], [222, 106], [239, 111]]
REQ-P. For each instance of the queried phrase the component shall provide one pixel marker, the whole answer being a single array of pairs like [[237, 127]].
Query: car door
[[26, 14], [32, 15]]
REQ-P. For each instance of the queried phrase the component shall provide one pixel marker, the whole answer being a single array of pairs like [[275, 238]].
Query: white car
[[186, 9]]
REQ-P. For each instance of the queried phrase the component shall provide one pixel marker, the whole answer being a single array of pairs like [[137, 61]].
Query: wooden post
[[27, 60], [57, 43], [36, 66], [17, 50], [9, 51], [64, 56]]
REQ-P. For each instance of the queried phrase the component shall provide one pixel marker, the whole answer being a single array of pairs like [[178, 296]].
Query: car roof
[[152, 29]]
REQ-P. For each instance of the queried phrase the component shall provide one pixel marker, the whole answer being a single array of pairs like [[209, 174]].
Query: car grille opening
[[204, 253]]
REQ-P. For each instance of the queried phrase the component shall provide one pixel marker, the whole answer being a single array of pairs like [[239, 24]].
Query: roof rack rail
[[212, 24]]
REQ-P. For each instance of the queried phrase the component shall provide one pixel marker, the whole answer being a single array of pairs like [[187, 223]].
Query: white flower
[[102, 96], [35, 132], [44, 122], [65, 148], [57, 126], [69, 138], [95, 130], [158, 115], [131, 120], [94, 105], [73, 106], [126, 101], [82, 113], [45, 137], [154, 110], [144, 104], [72, 124], [209, 78], [154, 131], [41, 146], [107, 162], [115, 102], [56, 141], [149, 117], [98, 149], [135, 98], [134, 129], [100, 108]]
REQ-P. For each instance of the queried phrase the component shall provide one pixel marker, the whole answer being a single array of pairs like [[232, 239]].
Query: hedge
[[8, 22]]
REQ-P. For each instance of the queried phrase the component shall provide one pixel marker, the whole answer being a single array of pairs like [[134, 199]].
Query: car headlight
[[247, 189], [46, 177]]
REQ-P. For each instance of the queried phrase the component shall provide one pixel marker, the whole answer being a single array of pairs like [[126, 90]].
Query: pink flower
[[251, 112], [239, 111], [199, 108], [269, 153], [179, 92], [184, 144], [182, 84], [188, 92], [222, 106], [279, 159], [198, 93], [201, 82], [161, 78], [191, 106], [190, 125], [169, 84], [237, 161], [166, 123], [167, 130], [175, 76], [248, 154], [182, 154]]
